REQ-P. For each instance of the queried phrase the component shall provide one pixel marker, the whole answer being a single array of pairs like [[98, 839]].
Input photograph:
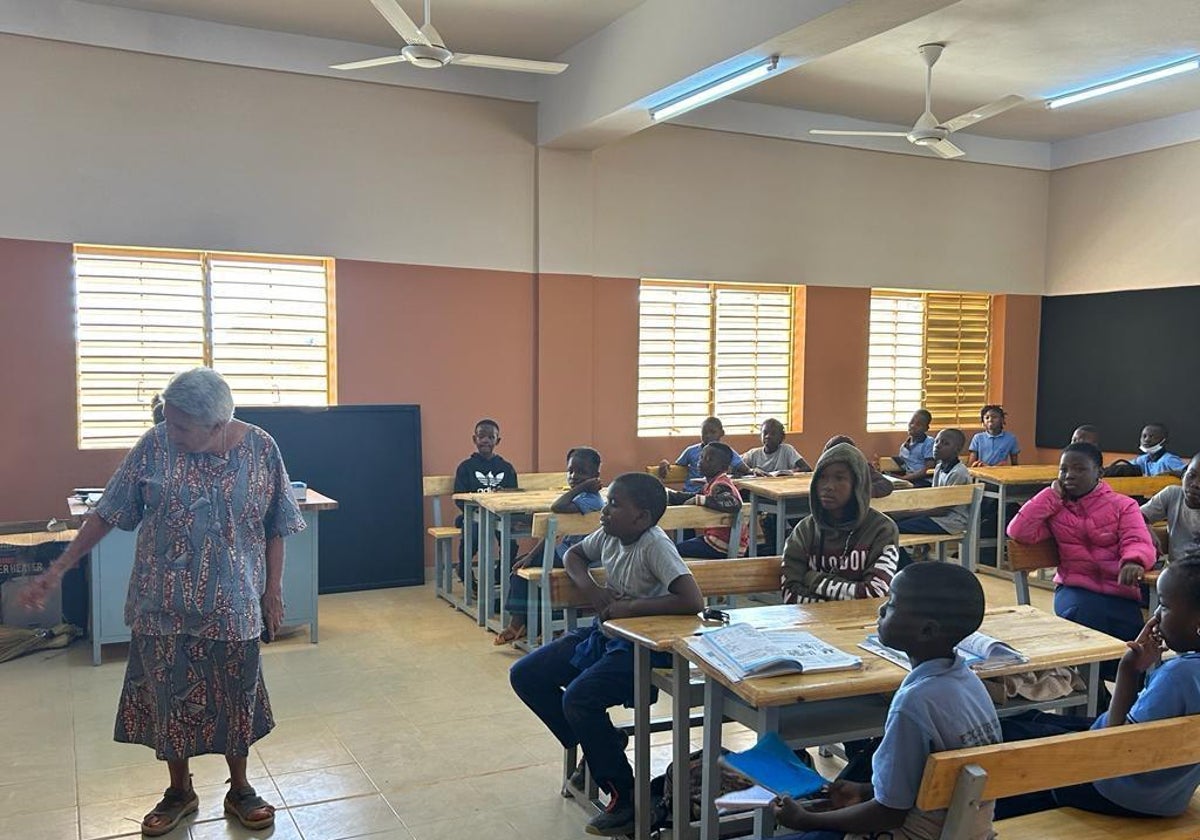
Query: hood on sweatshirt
[[860, 497]]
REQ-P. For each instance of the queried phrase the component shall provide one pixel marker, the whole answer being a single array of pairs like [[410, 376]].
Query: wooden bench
[[1024, 558], [933, 498], [435, 487], [959, 780], [550, 527]]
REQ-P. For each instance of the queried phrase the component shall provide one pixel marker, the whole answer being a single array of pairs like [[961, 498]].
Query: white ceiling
[[1035, 48], [842, 59], [538, 29]]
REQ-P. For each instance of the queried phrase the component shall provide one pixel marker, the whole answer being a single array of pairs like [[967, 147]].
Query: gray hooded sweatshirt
[[841, 561]]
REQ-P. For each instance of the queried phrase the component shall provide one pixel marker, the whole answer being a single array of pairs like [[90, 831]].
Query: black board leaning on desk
[[1120, 360], [368, 458]]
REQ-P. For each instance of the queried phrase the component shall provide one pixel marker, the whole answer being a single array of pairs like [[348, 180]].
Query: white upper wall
[[678, 202], [106, 146], [1125, 223]]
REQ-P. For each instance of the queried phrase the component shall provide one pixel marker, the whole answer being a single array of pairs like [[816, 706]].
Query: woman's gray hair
[[200, 393]]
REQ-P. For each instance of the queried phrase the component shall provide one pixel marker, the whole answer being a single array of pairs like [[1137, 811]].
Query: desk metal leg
[[487, 529], [681, 747], [506, 561], [752, 547], [764, 818], [470, 509], [641, 742], [1001, 525], [780, 524], [714, 712], [1093, 688]]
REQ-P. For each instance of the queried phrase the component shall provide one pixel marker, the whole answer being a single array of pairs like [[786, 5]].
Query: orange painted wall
[[39, 459], [552, 357]]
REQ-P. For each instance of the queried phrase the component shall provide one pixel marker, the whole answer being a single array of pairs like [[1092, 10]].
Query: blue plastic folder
[[772, 764]]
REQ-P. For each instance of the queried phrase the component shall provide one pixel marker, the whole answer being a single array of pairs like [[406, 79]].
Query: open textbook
[[981, 652], [740, 651]]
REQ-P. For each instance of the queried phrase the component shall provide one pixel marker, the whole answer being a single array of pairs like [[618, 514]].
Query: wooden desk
[[111, 564], [650, 634], [795, 704], [495, 512], [777, 495]]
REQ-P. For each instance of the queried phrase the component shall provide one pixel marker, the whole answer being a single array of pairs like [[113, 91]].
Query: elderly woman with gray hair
[[214, 503]]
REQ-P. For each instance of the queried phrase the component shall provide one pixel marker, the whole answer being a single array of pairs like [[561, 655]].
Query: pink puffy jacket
[[1096, 535]]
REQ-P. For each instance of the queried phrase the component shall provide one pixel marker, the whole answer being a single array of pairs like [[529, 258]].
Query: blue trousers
[[1085, 797], [1111, 614], [573, 702], [697, 548], [916, 525]]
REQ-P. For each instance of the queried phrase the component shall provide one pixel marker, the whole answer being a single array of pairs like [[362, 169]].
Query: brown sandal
[[243, 802], [508, 635], [176, 804]]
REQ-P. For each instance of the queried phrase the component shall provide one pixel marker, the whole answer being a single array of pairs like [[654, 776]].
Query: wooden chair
[[435, 487], [933, 498], [959, 780]]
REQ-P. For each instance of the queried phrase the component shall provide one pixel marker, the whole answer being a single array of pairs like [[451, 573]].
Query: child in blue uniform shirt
[[1155, 459], [571, 682], [711, 431], [916, 453], [1172, 690], [582, 496], [993, 445], [941, 705]]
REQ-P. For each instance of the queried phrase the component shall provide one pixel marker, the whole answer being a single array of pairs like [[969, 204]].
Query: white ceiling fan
[[426, 49], [927, 131]]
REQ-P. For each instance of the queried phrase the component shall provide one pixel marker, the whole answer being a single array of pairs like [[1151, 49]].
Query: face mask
[[1152, 450]]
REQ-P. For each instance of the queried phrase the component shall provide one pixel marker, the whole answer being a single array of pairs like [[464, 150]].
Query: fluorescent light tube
[[715, 90], [1175, 69]]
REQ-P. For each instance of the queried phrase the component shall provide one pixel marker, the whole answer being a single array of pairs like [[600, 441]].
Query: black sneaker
[[617, 820], [576, 779]]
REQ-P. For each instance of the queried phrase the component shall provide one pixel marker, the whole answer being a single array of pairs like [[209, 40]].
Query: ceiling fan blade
[[983, 112], [400, 21], [945, 149], [432, 35], [838, 133], [370, 62], [521, 65]]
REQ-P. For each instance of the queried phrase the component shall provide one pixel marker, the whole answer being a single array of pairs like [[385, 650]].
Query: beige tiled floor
[[399, 725]]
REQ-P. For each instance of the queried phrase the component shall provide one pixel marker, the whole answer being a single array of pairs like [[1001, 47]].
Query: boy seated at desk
[[1179, 505], [1155, 459], [941, 705], [916, 453], [711, 431], [571, 682], [774, 457], [949, 472], [719, 493], [582, 496], [1172, 689], [844, 549], [483, 472]]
